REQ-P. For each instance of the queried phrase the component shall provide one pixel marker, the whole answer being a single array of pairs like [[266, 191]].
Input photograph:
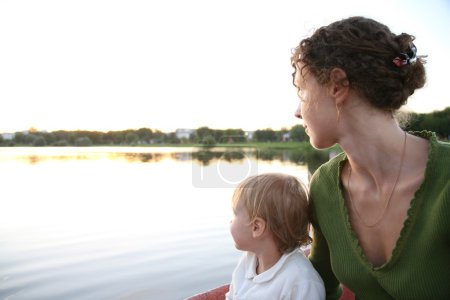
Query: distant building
[[286, 137], [183, 133], [8, 136], [249, 135]]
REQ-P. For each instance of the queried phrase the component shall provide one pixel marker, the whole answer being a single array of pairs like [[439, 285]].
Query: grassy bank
[[258, 145], [295, 146]]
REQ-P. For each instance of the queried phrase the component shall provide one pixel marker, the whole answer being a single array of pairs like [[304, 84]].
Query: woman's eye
[[301, 95]]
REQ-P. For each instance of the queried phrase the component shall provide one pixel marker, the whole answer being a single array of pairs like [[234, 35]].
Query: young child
[[270, 223]]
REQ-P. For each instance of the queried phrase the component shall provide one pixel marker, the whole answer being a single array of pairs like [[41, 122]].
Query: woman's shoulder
[[443, 147], [438, 151], [433, 139], [329, 170]]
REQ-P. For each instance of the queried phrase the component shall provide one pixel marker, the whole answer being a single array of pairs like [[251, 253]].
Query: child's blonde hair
[[282, 201]]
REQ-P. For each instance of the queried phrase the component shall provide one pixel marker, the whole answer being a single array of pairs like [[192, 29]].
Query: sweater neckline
[[410, 216]]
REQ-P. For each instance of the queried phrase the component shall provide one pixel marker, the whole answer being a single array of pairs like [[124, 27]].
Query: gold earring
[[338, 113]]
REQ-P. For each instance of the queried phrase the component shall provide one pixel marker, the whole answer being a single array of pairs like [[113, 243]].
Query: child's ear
[[258, 227]]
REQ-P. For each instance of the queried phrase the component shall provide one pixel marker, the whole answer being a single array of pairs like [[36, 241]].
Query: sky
[[115, 65]]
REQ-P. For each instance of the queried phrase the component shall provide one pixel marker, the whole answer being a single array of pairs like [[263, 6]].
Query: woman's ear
[[258, 227], [339, 85]]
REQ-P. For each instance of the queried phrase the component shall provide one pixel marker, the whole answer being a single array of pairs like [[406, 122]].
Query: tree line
[[147, 136], [438, 121]]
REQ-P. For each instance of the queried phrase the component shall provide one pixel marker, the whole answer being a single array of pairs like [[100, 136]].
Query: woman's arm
[[320, 258]]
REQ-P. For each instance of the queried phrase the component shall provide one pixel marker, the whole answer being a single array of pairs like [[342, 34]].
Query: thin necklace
[[390, 195]]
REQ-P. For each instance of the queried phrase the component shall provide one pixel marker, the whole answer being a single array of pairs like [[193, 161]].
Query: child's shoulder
[[299, 266]]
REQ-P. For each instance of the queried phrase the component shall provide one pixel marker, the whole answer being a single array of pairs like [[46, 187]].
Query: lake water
[[121, 223]]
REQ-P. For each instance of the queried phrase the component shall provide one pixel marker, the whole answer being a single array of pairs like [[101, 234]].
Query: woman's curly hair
[[365, 50]]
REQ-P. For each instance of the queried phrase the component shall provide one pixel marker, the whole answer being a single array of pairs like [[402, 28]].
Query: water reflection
[[205, 157], [313, 159], [121, 223], [141, 157]]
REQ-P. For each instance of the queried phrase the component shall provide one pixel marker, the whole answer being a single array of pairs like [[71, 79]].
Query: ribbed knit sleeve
[[320, 254]]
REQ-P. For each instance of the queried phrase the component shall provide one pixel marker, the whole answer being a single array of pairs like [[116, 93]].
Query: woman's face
[[316, 109]]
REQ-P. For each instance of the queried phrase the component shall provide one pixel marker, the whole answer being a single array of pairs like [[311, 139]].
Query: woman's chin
[[320, 145]]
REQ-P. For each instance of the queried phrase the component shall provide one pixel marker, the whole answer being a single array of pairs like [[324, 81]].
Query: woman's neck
[[373, 142]]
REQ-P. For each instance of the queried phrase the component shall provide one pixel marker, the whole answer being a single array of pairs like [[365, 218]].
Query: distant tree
[[39, 141], [437, 121], [61, 135], [412, 122], [61, 143], [203, 132], [83, 141], [208, 140], [265, 135], [1, 139], [232, 136], [145, 134], [19, 138], [440, 123], [71, 138], [172, 138], [131, 138], [116, 137], [29, 138], [96, 137], [219, 135], [49, 137], [110, 138], [297, 133], [159, 136]]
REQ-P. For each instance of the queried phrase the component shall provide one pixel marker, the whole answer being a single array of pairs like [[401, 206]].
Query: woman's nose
[[298, 113]]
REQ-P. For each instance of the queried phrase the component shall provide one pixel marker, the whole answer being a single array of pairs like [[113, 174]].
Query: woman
[[380, 209]]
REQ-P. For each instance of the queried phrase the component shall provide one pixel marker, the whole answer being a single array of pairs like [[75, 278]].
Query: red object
[[219, 294], [214, 294], [398, 62], [347, 294]]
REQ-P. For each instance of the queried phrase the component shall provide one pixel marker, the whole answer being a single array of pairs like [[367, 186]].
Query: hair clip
[[406, 58]]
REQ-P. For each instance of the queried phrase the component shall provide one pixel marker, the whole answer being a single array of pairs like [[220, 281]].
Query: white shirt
[[292, 277]]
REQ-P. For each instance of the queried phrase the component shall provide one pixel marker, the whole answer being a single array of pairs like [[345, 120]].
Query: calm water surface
[[120, 223]]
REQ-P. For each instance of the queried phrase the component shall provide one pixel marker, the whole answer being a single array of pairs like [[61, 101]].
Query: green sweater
[[420, 264]]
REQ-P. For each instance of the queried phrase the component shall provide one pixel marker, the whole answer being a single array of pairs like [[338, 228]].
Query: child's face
[[241, 228]]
